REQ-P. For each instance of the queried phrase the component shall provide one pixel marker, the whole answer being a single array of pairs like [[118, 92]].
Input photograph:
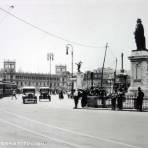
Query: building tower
[[9, 70]]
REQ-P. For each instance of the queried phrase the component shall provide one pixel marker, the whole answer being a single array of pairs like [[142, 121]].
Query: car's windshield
[[28, 91], [44, 90]]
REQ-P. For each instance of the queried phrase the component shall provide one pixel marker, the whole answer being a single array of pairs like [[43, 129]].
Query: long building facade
[[56, 81]]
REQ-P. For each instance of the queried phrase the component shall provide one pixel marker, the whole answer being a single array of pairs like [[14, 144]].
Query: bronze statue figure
[[79, 65], [139, 36]]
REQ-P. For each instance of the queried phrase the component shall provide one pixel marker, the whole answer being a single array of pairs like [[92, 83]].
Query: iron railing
[[107, 102]]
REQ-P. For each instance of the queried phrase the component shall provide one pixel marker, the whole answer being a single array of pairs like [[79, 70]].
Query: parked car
[[29, 95], [44, 93]]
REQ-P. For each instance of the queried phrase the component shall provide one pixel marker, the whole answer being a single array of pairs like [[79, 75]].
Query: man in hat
[[140, 99], [76, 98]]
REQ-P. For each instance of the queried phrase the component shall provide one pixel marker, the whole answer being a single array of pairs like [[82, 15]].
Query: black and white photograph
[[73, 73]]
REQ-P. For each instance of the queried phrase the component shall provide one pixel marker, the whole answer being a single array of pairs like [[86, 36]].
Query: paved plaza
[[56, 124]]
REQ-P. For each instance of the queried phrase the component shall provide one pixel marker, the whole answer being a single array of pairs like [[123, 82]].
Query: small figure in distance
[[76, 98], [14, 94], [140, 99], [114, 99]]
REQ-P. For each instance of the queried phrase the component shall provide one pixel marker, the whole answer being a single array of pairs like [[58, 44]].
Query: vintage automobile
[[29, 95], [44, 93]]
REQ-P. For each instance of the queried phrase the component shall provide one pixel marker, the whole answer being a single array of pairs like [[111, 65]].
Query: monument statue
[[139, 36], [139, 64], [79, 65]]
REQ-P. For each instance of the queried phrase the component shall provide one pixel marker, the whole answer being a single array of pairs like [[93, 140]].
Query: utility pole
[[50, 57], [122, 69], [115, 74], [103, 64], [68, 47]]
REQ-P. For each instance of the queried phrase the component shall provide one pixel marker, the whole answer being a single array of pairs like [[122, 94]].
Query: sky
[[85, 24]]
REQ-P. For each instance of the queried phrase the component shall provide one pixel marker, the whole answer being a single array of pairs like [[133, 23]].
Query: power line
[[49, 33]]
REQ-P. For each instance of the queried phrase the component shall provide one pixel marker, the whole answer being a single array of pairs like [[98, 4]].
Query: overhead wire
[[48, 33]]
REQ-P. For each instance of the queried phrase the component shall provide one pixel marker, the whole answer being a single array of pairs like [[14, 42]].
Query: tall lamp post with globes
[[50, 57], [69, 46]]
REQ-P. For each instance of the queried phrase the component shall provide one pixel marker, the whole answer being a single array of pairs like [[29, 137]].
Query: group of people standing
[[117, 98], [77, 94]]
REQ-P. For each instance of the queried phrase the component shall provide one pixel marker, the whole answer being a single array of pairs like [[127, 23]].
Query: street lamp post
[[69, 46], [50, 57]]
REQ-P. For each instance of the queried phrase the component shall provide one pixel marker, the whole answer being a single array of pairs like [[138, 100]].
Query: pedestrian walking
[[14, 94], [120, 99], [139, 99], [76, 98], [103, 97], [84, 98], [61, 95], [113, 99]]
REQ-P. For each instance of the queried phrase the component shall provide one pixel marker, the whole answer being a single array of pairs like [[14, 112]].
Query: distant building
[[94, 78], [54, 81], [58, 81], [9, 70], [60, 69]]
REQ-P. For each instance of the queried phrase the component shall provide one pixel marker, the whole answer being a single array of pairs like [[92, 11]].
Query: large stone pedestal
[[139, 72], [79, 82]]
